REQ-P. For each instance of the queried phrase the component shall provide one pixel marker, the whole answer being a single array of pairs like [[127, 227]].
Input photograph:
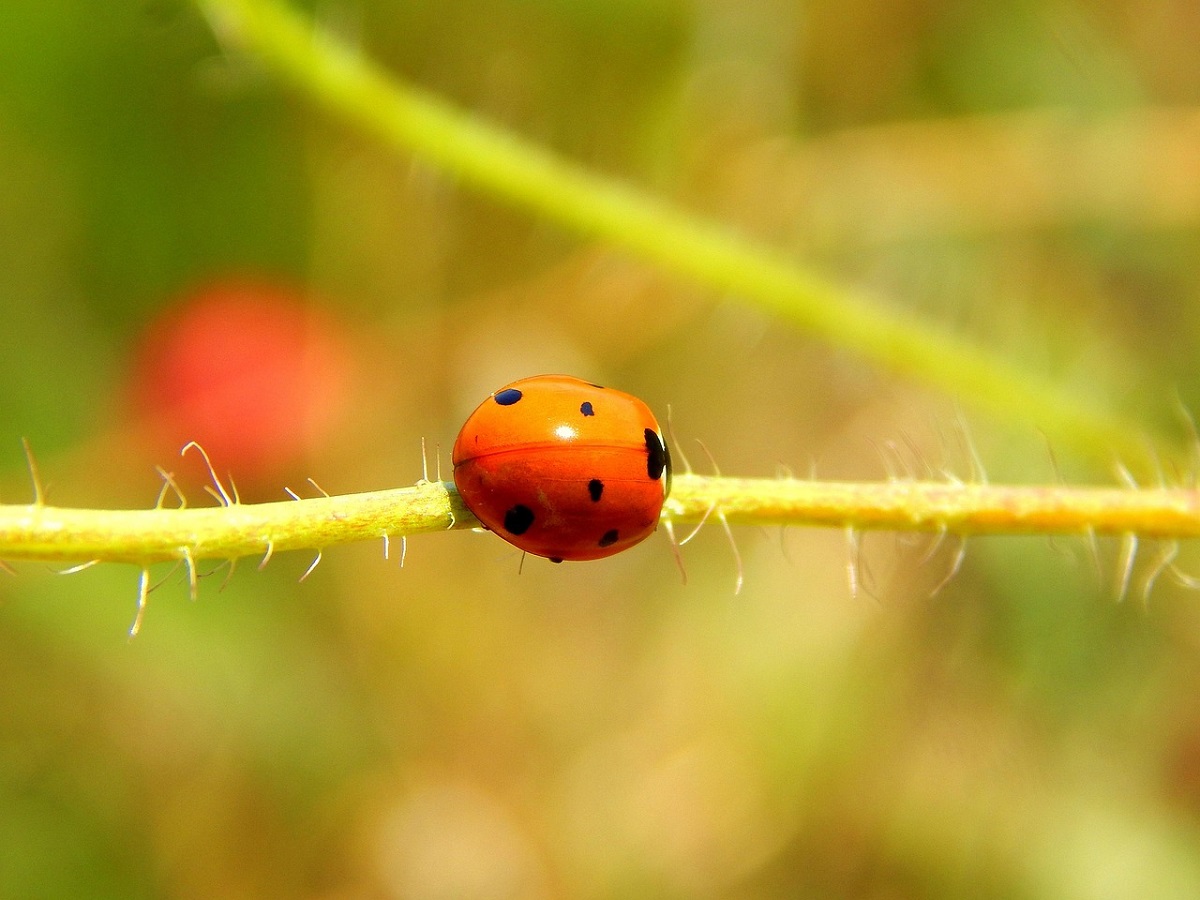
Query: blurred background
[[188, 251]]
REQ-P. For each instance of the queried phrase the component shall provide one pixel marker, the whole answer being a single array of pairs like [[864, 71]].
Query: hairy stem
[[144, 536], [38, 531], [962, 509]]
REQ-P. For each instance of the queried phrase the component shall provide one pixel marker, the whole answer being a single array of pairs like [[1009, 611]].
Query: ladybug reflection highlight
[[563, 468]]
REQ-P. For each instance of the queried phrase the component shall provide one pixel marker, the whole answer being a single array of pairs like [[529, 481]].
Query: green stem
[[943, 507], [145, 536], [503, 165], [37, 531]]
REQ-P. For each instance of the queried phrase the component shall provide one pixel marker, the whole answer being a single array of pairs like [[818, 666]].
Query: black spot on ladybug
[[508, 396], [595, 489], [658, 460], [586, 408], [609, 538], [518, 519], [555, 559]]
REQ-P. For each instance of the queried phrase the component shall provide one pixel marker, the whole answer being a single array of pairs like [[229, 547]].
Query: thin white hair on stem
[[270, 551], [881, 449], [669, 528], [313, 565], [169, 484], [958, 448], [1052, 456], [711, 459], [853, 562], [699, 525], [35, 475], [287, 490], [935, 545], [737, 556], [953, 479], [193, 579], [75, 570], [142, 596], [1189, 424], [687, 465], [1124, 475], [978, 472], [229, 571], [387, 547], [1056, 546], [960, 554], [919, 457], [321, 490], [1182, 578], [437, 462], [1129, 549], [877, 446], [866, 583], [221, 494], [1165, 557], [908, 539], [233, 489], [6, 568], [784, 550], [913, 459]]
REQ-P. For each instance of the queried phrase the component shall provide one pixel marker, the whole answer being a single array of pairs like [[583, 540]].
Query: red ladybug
[[563, 468]]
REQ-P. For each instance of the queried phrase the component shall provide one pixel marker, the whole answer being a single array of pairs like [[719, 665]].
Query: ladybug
[[563, 468]]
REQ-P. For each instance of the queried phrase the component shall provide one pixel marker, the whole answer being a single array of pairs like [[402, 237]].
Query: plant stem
[[954, 508], [509, 168], [226, 532], [37, 531]]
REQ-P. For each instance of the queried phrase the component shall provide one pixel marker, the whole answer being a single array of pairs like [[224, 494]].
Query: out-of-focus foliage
[[467, 726]]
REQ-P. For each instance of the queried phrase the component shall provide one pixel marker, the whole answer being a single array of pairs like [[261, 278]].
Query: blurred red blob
[[249, 371]]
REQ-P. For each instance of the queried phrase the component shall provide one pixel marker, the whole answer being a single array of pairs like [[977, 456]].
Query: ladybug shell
[[563, 468]]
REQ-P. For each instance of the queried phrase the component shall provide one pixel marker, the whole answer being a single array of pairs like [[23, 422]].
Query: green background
[[468, 726]]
